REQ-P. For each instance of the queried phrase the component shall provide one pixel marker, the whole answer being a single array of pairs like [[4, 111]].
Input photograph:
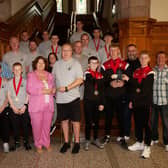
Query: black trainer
[[15, 146], [123, 144], [65, 147], [27, 146], [106, 139], [76, 148]]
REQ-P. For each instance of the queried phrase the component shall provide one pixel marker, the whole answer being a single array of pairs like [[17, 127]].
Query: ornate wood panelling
[[146, 33]]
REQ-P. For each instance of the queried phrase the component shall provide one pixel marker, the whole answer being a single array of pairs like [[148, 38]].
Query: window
[[81, 6], [59, 5]]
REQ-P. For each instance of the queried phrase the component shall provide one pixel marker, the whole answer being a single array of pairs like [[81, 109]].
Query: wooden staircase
[[32, 18]]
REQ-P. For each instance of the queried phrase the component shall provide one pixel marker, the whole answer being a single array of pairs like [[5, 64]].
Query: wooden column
[[136, 31]]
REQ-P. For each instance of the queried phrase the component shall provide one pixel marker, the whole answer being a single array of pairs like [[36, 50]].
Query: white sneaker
[[6, 147], [86, 145], [146, 152], [153, 142], [136, 146], [98, 144], [119, 139], [166, 148], [126, 138]]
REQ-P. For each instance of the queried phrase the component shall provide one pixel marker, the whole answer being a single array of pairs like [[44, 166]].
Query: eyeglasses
[[93, 62], [67, 50], [85, 39]]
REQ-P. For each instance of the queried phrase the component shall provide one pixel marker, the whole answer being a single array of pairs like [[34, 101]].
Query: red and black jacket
[[142, 87], [109, 68], [93, 81]]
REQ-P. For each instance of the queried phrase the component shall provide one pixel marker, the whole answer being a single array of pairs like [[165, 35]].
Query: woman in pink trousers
[[41, 87]]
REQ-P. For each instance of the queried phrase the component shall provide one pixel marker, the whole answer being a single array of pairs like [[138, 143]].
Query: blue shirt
[[6, 72]]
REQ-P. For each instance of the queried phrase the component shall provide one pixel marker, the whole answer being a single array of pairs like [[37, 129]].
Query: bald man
[[68, 77]]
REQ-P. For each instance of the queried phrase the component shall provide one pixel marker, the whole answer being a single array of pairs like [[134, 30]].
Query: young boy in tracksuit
[[141, 85], [4, 119], [18, 100], [115, 92], [93, 101]]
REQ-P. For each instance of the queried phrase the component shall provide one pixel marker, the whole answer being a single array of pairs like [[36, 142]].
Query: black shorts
[[69, 111]]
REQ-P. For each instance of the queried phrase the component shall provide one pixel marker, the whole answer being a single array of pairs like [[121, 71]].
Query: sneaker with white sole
[[136, 146], [119, 139], [153, 142], [106, 139], [98, 144], [6, 147], [126, 138], [86, 145], [166, 148], [146, 152]]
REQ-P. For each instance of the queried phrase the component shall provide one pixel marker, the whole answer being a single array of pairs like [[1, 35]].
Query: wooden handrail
[[96, 20]]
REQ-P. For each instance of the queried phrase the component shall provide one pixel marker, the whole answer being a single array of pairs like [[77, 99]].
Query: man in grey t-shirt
[[96, 43], [33, 53], [86, 50], [76, 36], [54, 48], [24, 43], [83, 60], [45, 44], [103, 53], [68, 77], [15, 55]]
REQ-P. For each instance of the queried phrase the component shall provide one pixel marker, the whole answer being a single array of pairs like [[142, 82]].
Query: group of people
[[50, 82]]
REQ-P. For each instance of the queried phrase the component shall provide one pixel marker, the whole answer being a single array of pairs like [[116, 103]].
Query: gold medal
[[96, 92], [138, 90], [16, 99]]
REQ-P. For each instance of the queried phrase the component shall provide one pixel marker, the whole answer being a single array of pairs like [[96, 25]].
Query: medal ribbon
[[0, 82], [98, 44], [141, 73], [95, 75], [55, 49], [107, 53], [19, 84], [115, 64]]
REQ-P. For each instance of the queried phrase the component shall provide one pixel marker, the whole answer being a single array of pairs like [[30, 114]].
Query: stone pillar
[[133, 8], [135, 24]]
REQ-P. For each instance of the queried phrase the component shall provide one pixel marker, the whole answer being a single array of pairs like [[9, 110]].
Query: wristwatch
[[26, 105], [66, 89]]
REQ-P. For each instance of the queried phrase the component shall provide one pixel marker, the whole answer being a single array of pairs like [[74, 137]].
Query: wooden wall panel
[[159, 40], [146, 33]]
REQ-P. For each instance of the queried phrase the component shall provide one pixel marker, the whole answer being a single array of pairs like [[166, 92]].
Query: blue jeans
[[154, 122]]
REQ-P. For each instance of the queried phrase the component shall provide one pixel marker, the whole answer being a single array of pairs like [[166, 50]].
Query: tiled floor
[[113, 156]]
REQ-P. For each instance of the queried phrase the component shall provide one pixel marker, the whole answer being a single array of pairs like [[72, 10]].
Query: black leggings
[[4, 125], [91, 118], [117, 106], [15, 120], [141, 117]]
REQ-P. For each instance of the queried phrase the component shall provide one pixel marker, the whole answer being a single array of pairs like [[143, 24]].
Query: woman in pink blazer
[[41, 87]]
